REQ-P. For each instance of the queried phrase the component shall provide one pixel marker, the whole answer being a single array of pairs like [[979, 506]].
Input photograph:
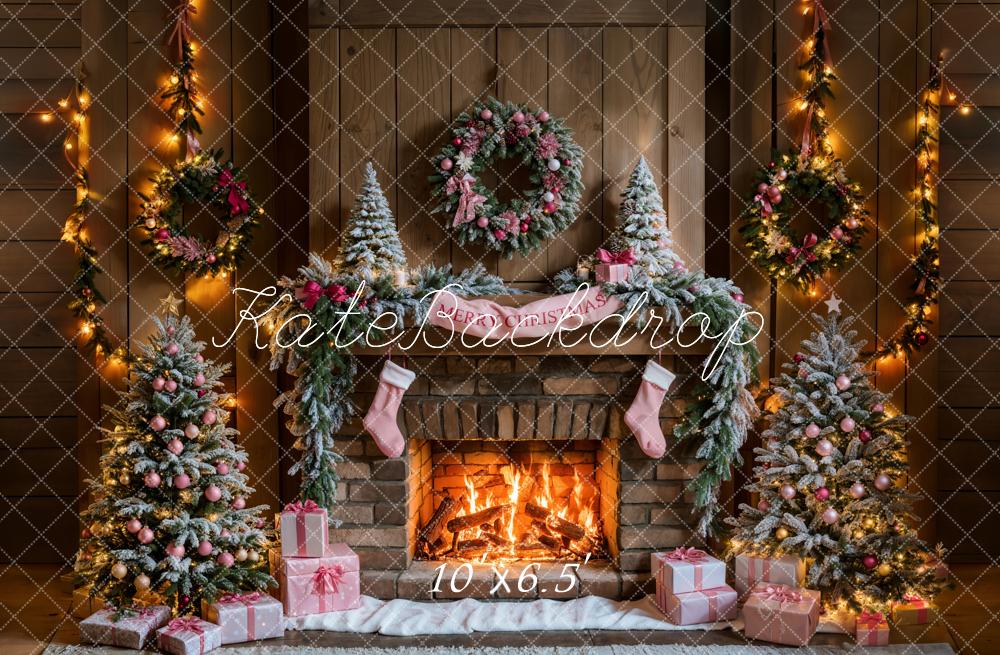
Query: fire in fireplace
[[520, 503]]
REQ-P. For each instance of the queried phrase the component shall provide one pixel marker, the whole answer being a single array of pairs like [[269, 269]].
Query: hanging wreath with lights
[[813, 175], [494, 131], [207, 181]]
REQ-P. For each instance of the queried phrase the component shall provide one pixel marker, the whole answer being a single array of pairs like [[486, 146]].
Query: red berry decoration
[[869, 561], [798, 357], [457, 141], [865, 435], [921, 338]]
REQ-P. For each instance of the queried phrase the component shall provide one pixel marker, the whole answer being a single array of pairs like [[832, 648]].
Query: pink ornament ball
[[209, 417], [542, 116], [865, 435], [174, 550], [170, 330], [446, 164], [878, 408], [524, 227], [830, 516], [763, 505], [205, 548], [199, 379], [869, 561], [787, 491], [158, 423], [191, 431], [852, 223], [170, 386], [843, 382], [836, 233], [847, 424], [762, 188], [240, 466], [162, 234], [211, 259], [679, 266], [158, 383], [882, 482], [152, 479], [213, 493], [222, 468], [175, 446], [239, 503], [198, 358], [201, 393], [457, 141], [133, 525], [822, 493], [486, 114], [145, 535], [224, 532], [857, 490], [773, 192], [173, 349], [226, 560], [738, 297], [500, 235], [182, 481], [824, 448], [549, 207], [483, 222], [518, 117], [812, 430], [776, 199], [782, 174]]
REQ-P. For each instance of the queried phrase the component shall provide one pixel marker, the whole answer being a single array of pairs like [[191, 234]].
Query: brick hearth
[[485, 402]]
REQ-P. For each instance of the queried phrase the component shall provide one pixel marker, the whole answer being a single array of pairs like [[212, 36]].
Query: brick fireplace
[[473, 424]]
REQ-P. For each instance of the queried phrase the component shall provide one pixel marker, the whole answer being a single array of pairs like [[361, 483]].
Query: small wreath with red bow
[[203, 180], [492, 131], [775, 246]]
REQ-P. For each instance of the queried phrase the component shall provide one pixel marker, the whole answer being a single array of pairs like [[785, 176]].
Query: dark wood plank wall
[[969, 358]]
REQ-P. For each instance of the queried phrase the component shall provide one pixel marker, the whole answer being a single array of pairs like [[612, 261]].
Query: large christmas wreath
[[202, 180], [493, 131]]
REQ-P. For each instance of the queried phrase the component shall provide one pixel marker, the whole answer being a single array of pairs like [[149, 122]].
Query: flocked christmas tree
[[831, 479], [370, 243], [642, 223], [169, 516]]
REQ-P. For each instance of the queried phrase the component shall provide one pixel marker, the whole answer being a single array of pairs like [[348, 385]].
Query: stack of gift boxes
[[691, 589]]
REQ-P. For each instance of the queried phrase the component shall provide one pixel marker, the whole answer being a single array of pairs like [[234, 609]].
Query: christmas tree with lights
[[642, 222], [169, 517], [370, 245], [831, 480]]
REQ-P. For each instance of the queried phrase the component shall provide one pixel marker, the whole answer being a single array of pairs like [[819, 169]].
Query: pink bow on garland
[[468, 199], [237, 189], [327, 579], [624, 257], [820, 19], [804, 253], [780, 593], [683, 554], [765, 203], [870, 619], [308, 507], [312, 291]]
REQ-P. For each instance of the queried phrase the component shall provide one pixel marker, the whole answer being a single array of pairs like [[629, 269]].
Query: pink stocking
[[380, 421], [643, 417]]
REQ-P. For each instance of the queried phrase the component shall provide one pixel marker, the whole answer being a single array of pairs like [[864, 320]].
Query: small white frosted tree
[[642, 222], [370, 243]]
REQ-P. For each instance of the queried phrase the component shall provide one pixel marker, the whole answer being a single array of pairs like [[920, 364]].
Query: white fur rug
[[750, 649]]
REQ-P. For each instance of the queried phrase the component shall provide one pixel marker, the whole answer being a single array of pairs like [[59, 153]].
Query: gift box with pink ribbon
[[188, 635], [126, 628], [914, 610], [872, 629], [246, 617], [784, 570], [614, 266], [781, 614], [304, 530], [320, 584], [705, 606], [686, 569]]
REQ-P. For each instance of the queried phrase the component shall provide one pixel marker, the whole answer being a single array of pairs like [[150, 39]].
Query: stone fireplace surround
[[498, 404]]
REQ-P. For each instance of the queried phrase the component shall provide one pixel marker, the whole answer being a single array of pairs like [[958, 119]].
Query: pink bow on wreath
[[327, 579], [779, 593], [624, 257], [312, 291], [804, 253], [870, 619], [468, 199], [682, 554], [237, 189]]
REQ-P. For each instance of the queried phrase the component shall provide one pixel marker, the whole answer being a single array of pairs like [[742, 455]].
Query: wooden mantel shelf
[[638, 345]]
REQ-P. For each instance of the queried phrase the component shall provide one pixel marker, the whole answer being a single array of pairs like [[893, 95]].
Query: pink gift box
[[304, 530], [781, 614], [189, 635], [612, 272], [686, 569], [914, 611], [126, 628], [314, 585], [872, 629], [705, 606], [246, 617], [785, 570]]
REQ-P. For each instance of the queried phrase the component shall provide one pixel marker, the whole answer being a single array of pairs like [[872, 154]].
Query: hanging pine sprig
[[181, 93]]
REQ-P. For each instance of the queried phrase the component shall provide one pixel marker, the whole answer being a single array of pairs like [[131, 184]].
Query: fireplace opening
[[531, 501]]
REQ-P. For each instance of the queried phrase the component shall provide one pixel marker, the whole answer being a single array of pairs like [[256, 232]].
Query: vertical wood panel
[[473, 77], [324, 140], [686, 158], [424, 114], [575, 93], [522, 55]]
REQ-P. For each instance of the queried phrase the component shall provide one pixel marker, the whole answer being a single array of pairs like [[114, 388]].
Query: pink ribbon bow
[[310, 506], [624, 257], [683, 554], [820, 19], [312, 291], [237, 189], [765, 203], [188, 624], [468, 199], [246, 599], [779, 593], [870, 619], [327, 579], [804, 253]]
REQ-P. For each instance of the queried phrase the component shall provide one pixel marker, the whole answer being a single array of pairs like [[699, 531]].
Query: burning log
[[555, 523], [496, 539], [471, 545], [541, 527], [446, 509], [551, 543], [476, 519]]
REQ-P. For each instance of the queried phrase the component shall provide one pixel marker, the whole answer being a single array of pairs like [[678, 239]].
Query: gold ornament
[[884, 569], [119, 570], [781, 534]]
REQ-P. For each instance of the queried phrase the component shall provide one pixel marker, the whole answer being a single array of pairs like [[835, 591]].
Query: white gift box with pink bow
[[686, 569], [304, 530], [872, 629], [126, 628], [246, 617], [614, 266], [695, 607], [189, 635], [314, 585]]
